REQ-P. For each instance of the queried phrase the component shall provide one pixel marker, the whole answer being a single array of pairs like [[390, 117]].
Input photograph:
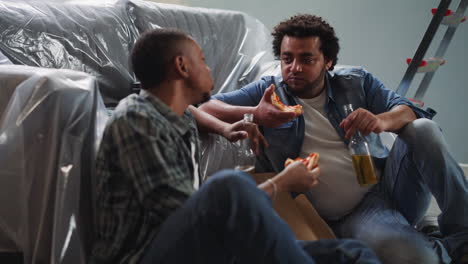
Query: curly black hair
[[304, 25]]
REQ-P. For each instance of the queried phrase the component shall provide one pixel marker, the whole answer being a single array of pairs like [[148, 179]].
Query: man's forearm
[[397, 118], [207, 123], [226, 112], [273, 185]]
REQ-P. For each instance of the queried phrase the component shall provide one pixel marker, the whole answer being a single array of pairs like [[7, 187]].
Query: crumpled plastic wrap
[[217, 153], [97, 37], [233, 43], [4, 59], [49, 133], [94, 38]]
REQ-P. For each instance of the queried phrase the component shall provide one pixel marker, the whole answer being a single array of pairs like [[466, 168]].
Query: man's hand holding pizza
[[270, 112], [299, 175]]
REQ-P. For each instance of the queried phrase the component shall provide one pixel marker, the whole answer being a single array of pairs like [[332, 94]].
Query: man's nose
[[296, 66]]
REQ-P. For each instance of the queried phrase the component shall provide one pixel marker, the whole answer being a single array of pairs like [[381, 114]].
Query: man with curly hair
[[418, 165]]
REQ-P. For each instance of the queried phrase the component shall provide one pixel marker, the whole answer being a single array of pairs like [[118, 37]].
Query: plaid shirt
[[144, 173]]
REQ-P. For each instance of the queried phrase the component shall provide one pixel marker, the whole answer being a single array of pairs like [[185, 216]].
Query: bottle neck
[[358, 137], [245, 143]]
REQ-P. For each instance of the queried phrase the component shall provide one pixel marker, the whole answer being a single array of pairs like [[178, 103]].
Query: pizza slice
[[276, 101], [310, 161]]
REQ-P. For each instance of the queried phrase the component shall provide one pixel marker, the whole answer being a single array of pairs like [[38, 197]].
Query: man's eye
[[286, 60]]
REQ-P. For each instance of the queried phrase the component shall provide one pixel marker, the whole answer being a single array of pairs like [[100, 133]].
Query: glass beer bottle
[[360, 154], [245, 156]]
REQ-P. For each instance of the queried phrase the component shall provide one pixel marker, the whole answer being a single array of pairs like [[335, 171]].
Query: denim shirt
[[351, 85]]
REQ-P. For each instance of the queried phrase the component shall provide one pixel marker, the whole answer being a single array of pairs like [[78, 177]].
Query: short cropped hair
[[152, 54], [303, 25]]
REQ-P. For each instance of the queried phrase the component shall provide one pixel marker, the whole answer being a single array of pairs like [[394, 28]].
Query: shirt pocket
[[286, 125]]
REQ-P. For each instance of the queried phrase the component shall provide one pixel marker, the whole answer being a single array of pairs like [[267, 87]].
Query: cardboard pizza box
[[298, 213]]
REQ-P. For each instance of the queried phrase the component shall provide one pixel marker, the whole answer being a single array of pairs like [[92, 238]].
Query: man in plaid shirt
[[149, 208]]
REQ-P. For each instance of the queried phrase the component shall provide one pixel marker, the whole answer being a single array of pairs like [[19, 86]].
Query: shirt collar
[[179, 123]]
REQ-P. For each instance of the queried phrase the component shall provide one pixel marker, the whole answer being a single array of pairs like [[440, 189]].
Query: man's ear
[[328, 64], [181, 66]]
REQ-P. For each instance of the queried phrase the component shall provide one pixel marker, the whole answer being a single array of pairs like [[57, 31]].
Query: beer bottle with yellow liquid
[[245, 155], [360, 154]]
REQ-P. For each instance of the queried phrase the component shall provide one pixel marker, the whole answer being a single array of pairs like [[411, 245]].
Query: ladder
[[442, 15]]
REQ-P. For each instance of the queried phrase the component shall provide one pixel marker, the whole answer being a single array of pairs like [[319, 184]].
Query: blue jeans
[[419, 164], [230, 220]]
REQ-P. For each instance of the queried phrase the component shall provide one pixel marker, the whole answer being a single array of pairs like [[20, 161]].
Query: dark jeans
[[230, 220], [419, 165]]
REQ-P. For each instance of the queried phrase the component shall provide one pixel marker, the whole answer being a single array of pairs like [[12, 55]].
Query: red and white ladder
[[441, 15]]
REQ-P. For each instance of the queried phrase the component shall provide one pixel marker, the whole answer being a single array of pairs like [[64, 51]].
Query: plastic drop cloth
[[49, 131], [94, 38], [4, 59], [97, 37], [234, 44]]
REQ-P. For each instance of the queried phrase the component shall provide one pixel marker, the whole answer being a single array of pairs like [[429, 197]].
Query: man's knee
[[422, 132], [236, 193], [421, 127], [405, 249], [339, 251], [226, 181]]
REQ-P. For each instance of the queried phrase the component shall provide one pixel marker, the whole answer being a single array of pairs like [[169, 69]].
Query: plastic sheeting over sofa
[[97, 37], [48, 139]]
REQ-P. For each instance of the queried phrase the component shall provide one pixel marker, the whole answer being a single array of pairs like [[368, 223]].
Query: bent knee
[[422, 130], [230, 179], [425, 124], [421, 125]]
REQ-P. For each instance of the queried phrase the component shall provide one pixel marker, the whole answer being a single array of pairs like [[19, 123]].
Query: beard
[[311, 87]]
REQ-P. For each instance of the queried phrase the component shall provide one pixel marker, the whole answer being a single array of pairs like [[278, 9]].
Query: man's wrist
[[255, 112], [225, 129], [278, 180]]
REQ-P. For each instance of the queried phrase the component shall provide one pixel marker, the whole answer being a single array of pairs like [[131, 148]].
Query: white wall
[[380, 35]]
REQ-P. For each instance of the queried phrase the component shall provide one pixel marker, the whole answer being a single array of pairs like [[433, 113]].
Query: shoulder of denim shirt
[[262, 84], [347, 70]]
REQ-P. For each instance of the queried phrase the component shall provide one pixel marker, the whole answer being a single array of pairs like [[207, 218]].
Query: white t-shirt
[[338, 191]]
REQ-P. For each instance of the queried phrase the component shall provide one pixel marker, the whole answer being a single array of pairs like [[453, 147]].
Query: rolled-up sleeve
[[380, 99], [249, 95]]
